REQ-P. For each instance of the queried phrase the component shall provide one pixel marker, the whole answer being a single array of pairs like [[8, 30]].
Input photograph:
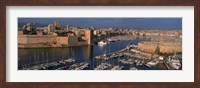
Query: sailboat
[[174, 62]]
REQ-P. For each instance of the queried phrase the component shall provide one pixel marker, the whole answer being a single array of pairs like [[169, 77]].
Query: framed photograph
[[99, 43]]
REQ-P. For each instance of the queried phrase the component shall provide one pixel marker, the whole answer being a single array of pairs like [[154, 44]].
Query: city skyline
[[133, 23]]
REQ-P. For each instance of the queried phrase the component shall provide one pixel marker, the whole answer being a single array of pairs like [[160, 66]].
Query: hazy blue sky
[[140, 23]]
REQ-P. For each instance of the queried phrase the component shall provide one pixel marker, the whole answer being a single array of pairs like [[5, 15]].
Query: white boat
[[70, 60], [112, 40], [102, 43], [152, 63], [149, 64], [61, 62], [79, 66], [174, 62], [117, 68], [176, 65], [133, 68], [103, 66]]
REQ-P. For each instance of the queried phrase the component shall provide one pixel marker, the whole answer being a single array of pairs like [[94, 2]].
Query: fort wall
[[35, 41], [164, 47], [73, 41], [22, 39], [62, 40]]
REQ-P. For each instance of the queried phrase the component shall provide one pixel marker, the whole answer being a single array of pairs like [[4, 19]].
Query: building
[[50, 28], [28, 27], [67, 28], [57, 25]]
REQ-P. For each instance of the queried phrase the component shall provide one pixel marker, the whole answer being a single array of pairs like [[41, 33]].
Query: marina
[[118, 55]]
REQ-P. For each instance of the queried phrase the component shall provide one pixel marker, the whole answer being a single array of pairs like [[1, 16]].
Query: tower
[[51, 28], [88, 36], [57, 25], [28, 26], [67, 27]]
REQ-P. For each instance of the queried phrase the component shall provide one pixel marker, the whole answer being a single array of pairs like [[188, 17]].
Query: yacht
[[133, 68], [174, 62], [117, 68], [151, 63], [102, 43], [70, 60], [103, 66]]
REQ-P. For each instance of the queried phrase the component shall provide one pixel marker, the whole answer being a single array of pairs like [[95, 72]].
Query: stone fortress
[[53, 36]]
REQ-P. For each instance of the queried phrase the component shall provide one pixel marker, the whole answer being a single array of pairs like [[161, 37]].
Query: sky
[[135, 23]]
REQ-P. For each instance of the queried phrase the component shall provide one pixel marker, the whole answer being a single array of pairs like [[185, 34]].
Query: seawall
[[163, 47], [44, 41]]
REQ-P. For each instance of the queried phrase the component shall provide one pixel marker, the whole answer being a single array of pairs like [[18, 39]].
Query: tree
[[157, 51]]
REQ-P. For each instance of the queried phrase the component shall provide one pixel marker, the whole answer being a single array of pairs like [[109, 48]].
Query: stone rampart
[[35, 39], [163, 47]]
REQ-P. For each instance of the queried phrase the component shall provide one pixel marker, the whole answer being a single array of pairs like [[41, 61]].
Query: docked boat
[[82, 66], [79, 66], [112, 40], [117, 68], [174, 62], [152, 63], [61, 62], [124, 61], [133, 68], [70, 60], [139, 63], [103, 57], [104, 66], [102, 43]]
